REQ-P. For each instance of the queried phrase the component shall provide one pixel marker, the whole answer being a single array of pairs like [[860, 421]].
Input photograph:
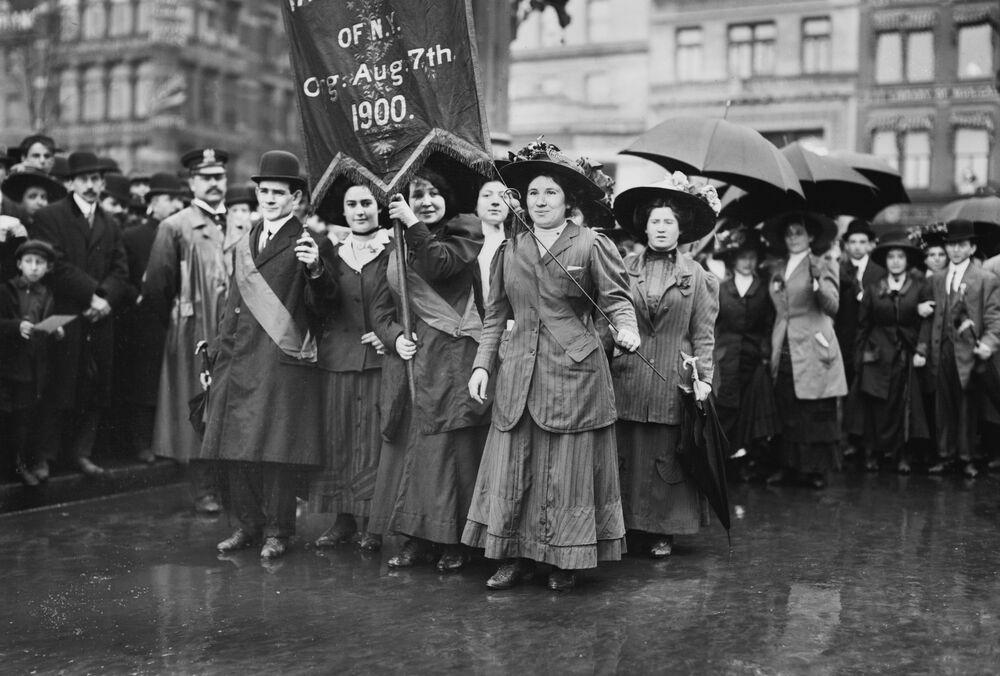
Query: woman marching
[[676, 302], [547, 490], [743, 392], [350, 352], [806, 364], [427, 469], [888, 350]]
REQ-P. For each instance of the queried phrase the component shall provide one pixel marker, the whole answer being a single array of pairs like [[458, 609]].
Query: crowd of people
[[534, 407]]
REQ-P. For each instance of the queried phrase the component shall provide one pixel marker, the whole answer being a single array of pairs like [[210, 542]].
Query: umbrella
[[198, 404], [703, 452], [759, 417], [717, 149], [831, 186], [878, 171], [753, 207], [984, 209]]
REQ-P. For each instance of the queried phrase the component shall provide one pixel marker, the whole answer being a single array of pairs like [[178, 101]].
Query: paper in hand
[[52, 323]]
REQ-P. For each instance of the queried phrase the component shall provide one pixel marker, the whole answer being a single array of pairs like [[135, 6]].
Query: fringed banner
[[383, 84]]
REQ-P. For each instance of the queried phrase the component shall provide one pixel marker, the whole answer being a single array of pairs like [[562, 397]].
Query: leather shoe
[[89, 468], [453, 559], [146, 456], [240, 539], [511, 574], [662, 548], [207, 504], [273, 548], [28, 478], [412, 552], [994, 465], [41, 471], [370, 542], [561, 580], [970, 471], [903, 467], [937, 469], [339, 533]]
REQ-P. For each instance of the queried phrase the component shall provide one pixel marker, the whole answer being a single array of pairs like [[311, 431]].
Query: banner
[[381, 85]]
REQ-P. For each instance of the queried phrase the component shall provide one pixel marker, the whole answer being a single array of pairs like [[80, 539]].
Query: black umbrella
[[198, 404], [703, 452]]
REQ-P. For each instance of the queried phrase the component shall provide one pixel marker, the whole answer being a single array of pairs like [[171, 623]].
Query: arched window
[[69, 19], [120, 93], [69, 95], [93, 93], [120, 22], [95, 20], [144, 88]]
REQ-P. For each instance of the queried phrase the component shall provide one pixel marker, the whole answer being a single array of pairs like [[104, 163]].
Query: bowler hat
[[695, 224], [109, 165], [822, 228], [896, 240], [36, 246], [280, 165], [60, 167], [540, 158], [196, 161], [83, 162], [241, 194], [117, 186], [859, 226], [960, 230], [15, 185], [164, 183]]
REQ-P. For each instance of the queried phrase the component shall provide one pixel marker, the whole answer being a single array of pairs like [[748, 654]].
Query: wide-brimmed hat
[[540, 158], [83, 162], [280, 165], [15, 185], [732, 242], [36, 246], [163, 183], [897, 240], [241, 194], [822, 228], [859, 226], [700, 203], [117, 186]]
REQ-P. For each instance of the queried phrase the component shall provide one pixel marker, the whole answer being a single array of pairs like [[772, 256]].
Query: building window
[[689, 53], [816, 41], [120, 93], [144, 89], [975, 51], [120, 22], [972, 159], [93, 94], [69, 96], [884, 147], [550, 32], [231, 102], [751, 49], [598, 20], [904, 55], [95, 19], [143, 10], [69, 19], [916, 159], [596, 88], [208, 97]]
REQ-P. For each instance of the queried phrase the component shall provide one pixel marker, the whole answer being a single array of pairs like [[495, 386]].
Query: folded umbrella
[[718, 149], [198, 404], [758, 413], [703, 452]]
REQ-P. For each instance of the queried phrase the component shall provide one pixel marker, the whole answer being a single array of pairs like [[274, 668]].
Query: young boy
[[25, 301]]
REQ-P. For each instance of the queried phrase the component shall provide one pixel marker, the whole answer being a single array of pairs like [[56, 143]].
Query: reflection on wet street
[[876, 574]]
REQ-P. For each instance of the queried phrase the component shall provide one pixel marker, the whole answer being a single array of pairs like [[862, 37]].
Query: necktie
[[90, 217]]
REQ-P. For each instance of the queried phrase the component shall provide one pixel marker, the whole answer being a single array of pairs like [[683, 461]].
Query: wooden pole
[[404, 297]]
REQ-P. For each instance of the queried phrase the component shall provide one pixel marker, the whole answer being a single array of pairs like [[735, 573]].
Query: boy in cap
[[964, 330], [25, 301]]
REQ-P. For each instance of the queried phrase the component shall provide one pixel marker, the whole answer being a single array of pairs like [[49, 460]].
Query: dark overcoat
[[553, 366], [265, 406], [89, 261], [742, 336], [851, 296]]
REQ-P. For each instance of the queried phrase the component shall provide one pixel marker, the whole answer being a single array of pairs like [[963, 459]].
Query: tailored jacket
[[89, 261], [846, 321], [805, 305], [683, 321], [742, 333], [978, 298], [265, 406], [888, 324], [139, 334], [553, 366], [352, 299]]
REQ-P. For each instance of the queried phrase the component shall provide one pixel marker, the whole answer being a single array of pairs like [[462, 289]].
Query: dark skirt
[[658, 496], [810, 433], [351, 442], [892, 422], [426, 488], [548, 497]]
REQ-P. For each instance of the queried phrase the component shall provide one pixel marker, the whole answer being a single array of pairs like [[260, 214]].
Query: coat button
[[236, 311]]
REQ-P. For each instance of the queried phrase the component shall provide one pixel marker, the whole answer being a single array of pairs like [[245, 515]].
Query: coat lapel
[[637, 270], [566, 239], [284, 238]]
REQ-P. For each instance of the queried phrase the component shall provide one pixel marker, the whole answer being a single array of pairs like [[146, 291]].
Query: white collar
[[793, 262], [960, 268], [272, 227], [202, 204], [85, 207], [367, 251], [743, 282], [860, 263], [893, 284]]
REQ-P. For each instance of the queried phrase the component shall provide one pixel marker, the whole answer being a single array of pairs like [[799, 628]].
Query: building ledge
[[577, 51]]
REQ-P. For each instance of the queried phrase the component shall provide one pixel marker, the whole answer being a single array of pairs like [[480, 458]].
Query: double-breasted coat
[[805, 305], [683, 321], [264, 405], [849, 307], [184, 287], [90, 260]]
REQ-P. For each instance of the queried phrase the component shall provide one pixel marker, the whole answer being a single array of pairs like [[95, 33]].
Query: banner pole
[[404, 297]]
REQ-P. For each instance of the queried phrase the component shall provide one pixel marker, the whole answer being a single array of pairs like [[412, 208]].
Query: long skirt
[[428, 482], [890, 423], [549, 497], [658, 496], [351, 441], [810, 431]]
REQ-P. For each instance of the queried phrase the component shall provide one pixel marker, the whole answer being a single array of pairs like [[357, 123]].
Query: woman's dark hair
[[572, 195], [443, 185], [331, 209], [643, 211]]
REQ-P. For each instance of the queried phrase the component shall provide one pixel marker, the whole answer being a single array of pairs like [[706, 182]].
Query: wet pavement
[[877, 574]]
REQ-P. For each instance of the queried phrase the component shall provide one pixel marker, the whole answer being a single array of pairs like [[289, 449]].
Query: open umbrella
[[717, 149], [831, 186], [878, 171], [751, 208], [985, 209]]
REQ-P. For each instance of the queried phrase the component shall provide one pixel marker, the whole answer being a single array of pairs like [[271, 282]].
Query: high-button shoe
[[240, 539], [511, 574], [273, 548]]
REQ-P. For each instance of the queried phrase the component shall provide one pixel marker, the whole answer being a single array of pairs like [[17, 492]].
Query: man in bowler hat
[[264, 412]]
